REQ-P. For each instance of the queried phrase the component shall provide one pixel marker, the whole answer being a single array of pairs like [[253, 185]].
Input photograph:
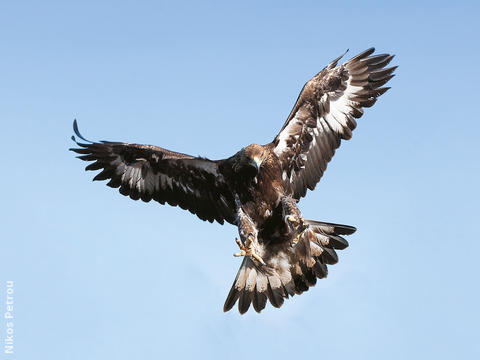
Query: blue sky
[[99, 276]]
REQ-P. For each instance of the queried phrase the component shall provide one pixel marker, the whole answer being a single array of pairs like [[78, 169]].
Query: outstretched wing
[[149, 172], [325, 113], [288, 270]]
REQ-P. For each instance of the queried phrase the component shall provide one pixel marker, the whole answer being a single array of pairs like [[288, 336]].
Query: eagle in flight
[[258, 188]]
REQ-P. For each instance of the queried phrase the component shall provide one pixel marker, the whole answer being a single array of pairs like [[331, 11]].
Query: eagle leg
[[293, 218], [248, 234], [299, 226]]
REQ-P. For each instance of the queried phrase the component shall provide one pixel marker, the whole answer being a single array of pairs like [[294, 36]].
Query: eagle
[[258, 188]]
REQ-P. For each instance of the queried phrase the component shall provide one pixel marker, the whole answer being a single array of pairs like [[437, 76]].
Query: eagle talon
[[243, 251], [299, 225], [292, 219], [297, 221], [248, 250], [297, 237]]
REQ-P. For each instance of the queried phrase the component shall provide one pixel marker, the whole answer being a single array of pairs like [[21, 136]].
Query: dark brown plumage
[[258, 188]]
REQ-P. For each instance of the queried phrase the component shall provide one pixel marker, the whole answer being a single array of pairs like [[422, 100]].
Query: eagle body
[[258, 188]]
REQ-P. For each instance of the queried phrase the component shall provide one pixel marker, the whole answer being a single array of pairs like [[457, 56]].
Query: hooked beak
[[257, 162]]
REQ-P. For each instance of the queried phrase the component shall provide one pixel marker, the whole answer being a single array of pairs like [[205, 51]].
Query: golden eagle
[[258, 188]]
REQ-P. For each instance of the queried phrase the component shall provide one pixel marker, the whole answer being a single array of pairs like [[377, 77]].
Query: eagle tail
[[289, 270], [250, 286]]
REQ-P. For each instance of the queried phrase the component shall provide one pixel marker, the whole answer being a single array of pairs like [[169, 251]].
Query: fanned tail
[[289, 270]]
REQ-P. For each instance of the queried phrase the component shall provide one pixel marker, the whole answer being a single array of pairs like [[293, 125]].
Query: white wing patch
[[325, 114]]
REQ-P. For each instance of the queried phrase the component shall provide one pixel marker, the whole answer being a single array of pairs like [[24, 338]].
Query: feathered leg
[[293, 218], [248, 234]]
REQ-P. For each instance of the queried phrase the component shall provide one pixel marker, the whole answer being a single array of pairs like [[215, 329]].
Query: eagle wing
[[152, 173], [325, 113]]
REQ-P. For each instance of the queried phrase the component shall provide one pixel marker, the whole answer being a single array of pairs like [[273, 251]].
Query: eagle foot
[[297, 237], [296, 221], [247, 250], [298, 224]]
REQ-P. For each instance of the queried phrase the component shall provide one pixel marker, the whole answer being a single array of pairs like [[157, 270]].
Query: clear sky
[[99, 276]]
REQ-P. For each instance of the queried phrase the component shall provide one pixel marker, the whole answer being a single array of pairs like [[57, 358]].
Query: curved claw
[[297, 237], [293, 219], [297, 221], [300, 227], [258, 258], [248, 250], [243, 251]]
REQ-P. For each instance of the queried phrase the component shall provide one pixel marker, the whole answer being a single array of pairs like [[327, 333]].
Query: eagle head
[[250, 160]]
